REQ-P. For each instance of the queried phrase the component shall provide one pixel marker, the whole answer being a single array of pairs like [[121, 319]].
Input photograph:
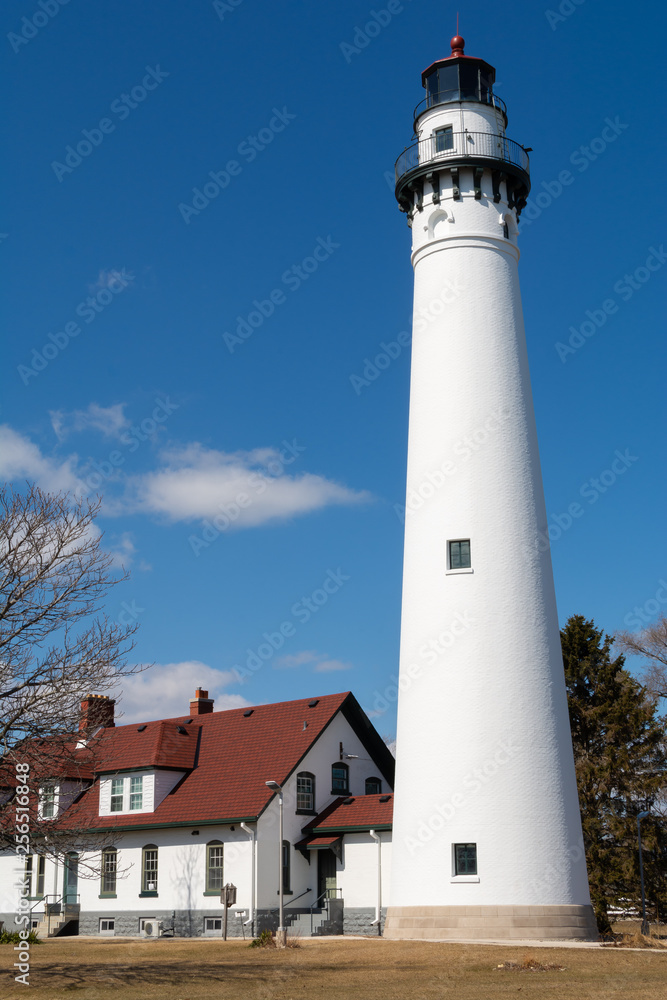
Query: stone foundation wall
[[187, 923], [358, 920], [495, 923]]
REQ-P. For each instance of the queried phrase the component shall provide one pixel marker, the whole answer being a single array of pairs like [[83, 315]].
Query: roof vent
[[141, 729], [313, 703], [384, 798], [348, 801], [246, 715], [182, 730]]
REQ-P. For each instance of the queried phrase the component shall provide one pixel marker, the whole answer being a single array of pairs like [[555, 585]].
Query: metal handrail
[[454, 96], [326, 895], [484, 145], [290, 901]]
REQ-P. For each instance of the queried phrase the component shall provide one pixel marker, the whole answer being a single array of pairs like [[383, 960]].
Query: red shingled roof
[[227, 756], [359, 812]]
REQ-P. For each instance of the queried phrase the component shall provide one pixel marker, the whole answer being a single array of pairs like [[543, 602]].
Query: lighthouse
[[487, 840]]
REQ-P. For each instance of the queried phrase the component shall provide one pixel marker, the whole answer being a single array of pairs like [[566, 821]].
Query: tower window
[[506, 231], [458, 554], [444, 139], [465, 859]]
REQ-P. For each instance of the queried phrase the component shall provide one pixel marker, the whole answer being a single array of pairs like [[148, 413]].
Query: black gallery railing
[[486, 145]]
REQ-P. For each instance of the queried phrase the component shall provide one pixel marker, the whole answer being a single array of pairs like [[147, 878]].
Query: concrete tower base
[[491, 923]]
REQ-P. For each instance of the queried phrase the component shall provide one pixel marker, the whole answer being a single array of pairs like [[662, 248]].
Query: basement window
[[107, 925]]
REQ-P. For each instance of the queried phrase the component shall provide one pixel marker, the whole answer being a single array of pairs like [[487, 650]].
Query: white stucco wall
[[357, 874]]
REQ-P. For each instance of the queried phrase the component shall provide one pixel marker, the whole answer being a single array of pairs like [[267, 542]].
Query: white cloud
[[21, 459], [298, 659], [328, 666], [198, 482], [121, 550], [320, 662], [164, 690], [106, 278], [110, 420]]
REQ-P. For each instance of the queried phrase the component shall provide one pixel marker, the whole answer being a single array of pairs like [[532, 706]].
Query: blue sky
[[199, 355]]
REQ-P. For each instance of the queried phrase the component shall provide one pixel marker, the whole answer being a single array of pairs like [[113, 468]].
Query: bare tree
[[56, 645], [651, 643]]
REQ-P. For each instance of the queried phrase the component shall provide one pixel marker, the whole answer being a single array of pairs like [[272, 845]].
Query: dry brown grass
[[185, 969]]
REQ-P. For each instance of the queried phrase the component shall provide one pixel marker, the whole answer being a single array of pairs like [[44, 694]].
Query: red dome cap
[[457, 43]]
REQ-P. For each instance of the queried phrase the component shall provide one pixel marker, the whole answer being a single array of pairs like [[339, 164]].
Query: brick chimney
[[201, 704], [97, 710]]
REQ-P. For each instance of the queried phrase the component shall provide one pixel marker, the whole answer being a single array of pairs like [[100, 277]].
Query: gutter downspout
[[378, 910], [251, 833]]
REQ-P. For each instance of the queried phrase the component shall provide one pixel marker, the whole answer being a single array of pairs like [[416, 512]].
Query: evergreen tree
[[621, 768]]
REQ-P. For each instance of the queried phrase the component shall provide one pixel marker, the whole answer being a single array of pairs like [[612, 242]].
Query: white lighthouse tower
[[487, 838]]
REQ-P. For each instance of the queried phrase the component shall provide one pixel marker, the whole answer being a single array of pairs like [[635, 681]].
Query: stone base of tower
[[491, 923]]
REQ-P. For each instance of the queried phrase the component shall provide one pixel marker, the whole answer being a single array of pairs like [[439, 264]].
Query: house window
[[286, 865], [305, 792], [136, 792], [117, 785], [47, 801], [340, 779], [444, 139], [109, 869], [27, 874], [41, 869], [107, 925], [149, 869], [214, 856], [373, 786], [465, 859], [459, 554]]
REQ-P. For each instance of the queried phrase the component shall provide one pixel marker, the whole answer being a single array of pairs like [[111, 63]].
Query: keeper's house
[[155, 818]]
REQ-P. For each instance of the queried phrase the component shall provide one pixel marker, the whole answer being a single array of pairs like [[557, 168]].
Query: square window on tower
[[465, 859], [444, 139], [458, 554]]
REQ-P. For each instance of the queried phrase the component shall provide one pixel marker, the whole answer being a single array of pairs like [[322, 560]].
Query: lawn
[[185, 969]]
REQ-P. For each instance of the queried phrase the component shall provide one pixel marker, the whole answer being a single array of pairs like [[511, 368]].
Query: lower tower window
[[465, 859]]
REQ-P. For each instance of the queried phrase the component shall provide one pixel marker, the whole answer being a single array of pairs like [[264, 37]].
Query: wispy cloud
[[320, 663], [165, 689], [109, 420]]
